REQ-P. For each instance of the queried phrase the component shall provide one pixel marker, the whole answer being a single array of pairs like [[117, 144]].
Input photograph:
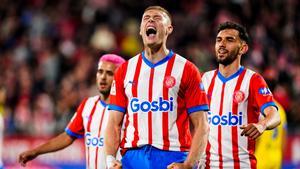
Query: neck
[[156, 54], [230, 69], [104, 97]]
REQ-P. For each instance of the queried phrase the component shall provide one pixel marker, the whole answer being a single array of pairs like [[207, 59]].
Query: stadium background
[[49, 50]]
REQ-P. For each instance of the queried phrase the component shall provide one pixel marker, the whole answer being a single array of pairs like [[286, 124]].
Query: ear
[[169, 29], [244, 48], [140, 31]]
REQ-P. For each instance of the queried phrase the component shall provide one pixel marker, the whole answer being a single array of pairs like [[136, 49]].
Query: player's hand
[[179, 166], [253, 130], [27, 156], [116, 165]]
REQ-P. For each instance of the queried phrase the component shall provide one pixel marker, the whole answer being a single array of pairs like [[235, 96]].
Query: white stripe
[[143, 95], [128, 82]]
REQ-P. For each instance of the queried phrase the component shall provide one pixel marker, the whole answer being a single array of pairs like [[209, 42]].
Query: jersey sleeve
[[261, 94], [117, 96], [195, 95], [75, 127]]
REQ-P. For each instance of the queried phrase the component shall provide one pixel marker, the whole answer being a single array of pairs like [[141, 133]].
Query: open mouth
[[151, 31]]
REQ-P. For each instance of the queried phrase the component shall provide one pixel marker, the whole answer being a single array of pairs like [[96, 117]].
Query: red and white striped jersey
[[90, 121], [157, 100], [234, 101]]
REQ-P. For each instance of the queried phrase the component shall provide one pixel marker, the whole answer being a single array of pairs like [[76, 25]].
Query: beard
[[231, 56], [104, 92]]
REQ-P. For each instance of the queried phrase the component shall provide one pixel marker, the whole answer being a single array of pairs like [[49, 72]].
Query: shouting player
[[89, 121], [156, 96], [237, 97]]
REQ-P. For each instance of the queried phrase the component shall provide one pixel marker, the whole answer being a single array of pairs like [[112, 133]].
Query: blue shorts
[[149, 157]]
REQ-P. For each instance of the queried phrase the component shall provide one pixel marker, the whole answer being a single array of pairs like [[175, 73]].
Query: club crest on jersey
[[264, 91], [169, 81], [238, 96], [113, 88]]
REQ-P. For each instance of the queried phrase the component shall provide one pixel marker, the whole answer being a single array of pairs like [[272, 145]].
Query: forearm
[[199, 140], [57, 143], [113, 130], [272, 118], [112, 140], [198, 146]]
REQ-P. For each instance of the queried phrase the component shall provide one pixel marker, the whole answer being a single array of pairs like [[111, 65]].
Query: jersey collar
[[224, 79], [150, 64], [103, 103]]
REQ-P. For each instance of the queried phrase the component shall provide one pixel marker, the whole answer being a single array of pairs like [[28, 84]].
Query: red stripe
[[123, 140], [99, 131], [134, 94], [207, 161], [165, 115], [209, 92], [182, 122], [234, 129], [150, 112], [220, 129], [252, 118], [122, 144]]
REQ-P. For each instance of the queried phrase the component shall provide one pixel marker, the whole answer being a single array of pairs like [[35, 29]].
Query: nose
[[103, 76], [222, 43], [151, 19]]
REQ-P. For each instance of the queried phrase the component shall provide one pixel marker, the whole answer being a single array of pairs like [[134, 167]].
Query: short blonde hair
[[161, 9]]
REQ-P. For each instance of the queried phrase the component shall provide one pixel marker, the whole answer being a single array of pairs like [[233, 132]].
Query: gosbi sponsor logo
[[146, 106], [225, 119], [93, 141]]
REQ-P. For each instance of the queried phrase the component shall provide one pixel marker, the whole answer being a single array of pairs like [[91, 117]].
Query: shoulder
[[90, 100], [209, 73]]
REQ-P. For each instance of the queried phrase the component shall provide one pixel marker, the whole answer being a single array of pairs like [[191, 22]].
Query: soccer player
[[89, 121], [237, 97], [155, 95]]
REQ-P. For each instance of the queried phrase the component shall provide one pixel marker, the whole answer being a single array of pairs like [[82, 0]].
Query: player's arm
[[254, 130], [199, 141], [112, 136], [57, 143], [263, 98]]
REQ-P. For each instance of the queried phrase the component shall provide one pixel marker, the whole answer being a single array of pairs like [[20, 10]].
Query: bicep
[[271, 111], [198, 118], [115, 118]]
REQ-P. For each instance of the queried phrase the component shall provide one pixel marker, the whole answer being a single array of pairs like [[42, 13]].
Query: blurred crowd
[[49, 50]]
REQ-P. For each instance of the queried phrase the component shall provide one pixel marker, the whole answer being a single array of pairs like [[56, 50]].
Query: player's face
[[105, 76], [228, 46], [155, 27]]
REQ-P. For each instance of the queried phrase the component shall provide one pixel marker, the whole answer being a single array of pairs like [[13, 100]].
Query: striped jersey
[[236, 100], [90, 121], [157, 100]]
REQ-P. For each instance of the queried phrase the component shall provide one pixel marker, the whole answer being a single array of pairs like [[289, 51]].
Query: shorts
[[149, 157]]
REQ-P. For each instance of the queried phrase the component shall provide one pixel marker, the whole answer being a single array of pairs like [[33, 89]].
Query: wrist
[[110, 161], [188, 164], [262, 126]]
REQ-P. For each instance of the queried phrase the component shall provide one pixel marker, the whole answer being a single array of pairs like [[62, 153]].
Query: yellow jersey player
[[270, 145]]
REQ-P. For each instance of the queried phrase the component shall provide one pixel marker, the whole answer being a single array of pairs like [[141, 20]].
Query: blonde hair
[[160, 9]]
